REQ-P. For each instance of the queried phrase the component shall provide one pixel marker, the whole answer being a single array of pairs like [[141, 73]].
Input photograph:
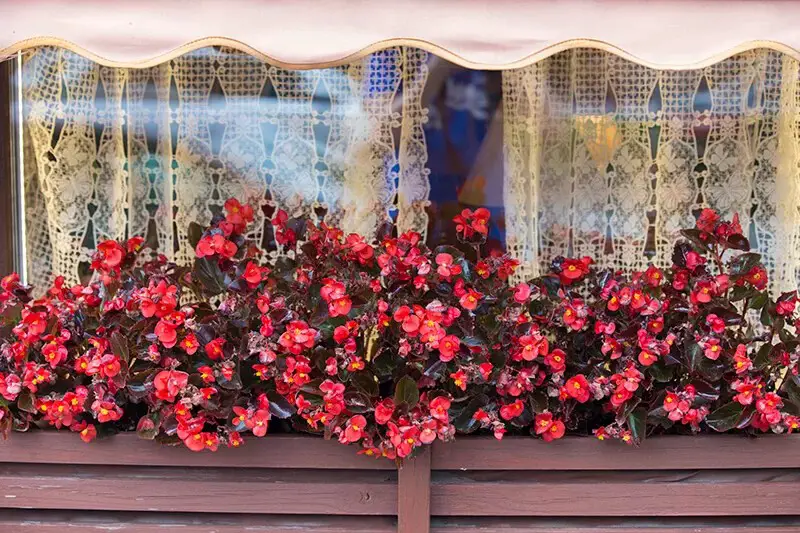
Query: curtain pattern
[[111, 153], [609, 158]]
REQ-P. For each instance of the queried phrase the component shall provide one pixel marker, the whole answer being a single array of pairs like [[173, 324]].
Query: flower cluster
[[392, 345]]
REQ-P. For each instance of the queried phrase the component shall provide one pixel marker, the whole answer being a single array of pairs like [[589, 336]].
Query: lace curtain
[[608, 158], [112, 153]]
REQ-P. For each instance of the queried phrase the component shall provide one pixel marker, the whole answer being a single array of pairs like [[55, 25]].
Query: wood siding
[[291, 484]]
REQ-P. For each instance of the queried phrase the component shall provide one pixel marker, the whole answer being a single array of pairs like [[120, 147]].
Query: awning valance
[[498, 34]]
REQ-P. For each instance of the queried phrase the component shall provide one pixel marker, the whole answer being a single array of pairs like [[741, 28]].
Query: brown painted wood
[[632, 493], [616, 525], [414, 491], [662, 453], [24, 521], [210, 490], [6, 173], [272, 451]]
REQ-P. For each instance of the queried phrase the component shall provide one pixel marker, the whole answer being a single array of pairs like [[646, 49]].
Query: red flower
[[439, 408], [214, 348], [253, 274], [716, 324], [512, 410], [712, 349], [384, 411], [522, 292], [106, 411], [532, 346], [297, 337], [448, 348], [578, 388], [169, 383], [757, 277], [556, 360], [470, 299], [480, 221], [447, 269], [574, 269], [459, 379], [54, 353], [238, 215], [741, 362], [190, 344], [355, 429], [259, 422], [654, 276], [88, 433], [215, 244], [548, 428], [109, 255], [707, 221]]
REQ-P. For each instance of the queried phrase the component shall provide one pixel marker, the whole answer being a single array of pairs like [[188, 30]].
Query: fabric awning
[[497, 34]]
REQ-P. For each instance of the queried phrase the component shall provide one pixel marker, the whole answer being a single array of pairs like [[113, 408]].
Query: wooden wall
[[292, 484]]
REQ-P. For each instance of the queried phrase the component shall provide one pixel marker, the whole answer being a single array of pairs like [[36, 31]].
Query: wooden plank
[[210, 490], [654, 493], [576, 453], [22, 521], [7, 177], [414, 491], [272, 451], [594, 525]]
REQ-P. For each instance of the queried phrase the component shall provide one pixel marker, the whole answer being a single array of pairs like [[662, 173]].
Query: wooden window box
[[51, 481]]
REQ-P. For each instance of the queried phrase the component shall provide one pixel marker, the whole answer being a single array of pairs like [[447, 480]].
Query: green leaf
[[661, 372], [462, 419], [365, 382], [195, 233], [119, 346], [279, 406], [695, 236], [742, 263], [729, 416], [208, 273], [694, 354], [737, 241], [406, 392], [705, 390], [637, 423], [762, 358], [758, 301], [25, 402]]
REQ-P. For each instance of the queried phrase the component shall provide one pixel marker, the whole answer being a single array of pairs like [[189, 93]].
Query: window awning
[[497, 34]]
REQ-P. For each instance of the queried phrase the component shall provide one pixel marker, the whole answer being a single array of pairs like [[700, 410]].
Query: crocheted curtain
[[112, 153], [608, 158]]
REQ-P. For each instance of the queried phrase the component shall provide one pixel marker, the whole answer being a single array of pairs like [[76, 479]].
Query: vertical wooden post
[[7, 208], [414, 494]]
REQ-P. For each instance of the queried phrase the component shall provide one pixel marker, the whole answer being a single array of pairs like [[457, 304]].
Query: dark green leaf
[[763, 358], [705, 390], [737, 241], [25, 402], [696, 237], [406, 392], [661, 372], [637, 423], [195, 234], [758, 300], [729, 416], [463, 419], [280, 406], [208, 273], [119, 345], [742, 263], [694, 353]]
